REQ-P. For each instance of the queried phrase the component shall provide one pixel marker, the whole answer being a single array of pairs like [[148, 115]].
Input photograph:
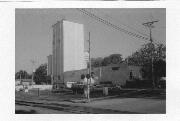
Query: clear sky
[[33, 31]]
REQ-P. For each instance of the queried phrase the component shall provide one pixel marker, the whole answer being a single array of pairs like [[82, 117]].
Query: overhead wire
[[111, 25], [100, 19], [121, 22]]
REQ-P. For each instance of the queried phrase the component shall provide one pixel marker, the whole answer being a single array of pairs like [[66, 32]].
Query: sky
[[33, 31]]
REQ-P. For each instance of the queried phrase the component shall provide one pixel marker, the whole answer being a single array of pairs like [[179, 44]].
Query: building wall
[[103, 74], [68, 48], [49, 68], [119, 75], [73, 37], [57, 68], [136, 71]]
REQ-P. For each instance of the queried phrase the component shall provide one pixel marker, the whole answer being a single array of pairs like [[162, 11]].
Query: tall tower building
[[49, 65], [68, 48]]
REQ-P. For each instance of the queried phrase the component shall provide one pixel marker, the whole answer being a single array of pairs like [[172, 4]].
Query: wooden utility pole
[[150, 26], [89, 80], [33, 63]]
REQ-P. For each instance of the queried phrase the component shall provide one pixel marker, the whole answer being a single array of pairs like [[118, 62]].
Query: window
[[59, 78], [115, 68]]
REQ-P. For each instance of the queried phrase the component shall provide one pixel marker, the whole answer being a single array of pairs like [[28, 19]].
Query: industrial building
[[69, 59], [68, 49], [49, 65]]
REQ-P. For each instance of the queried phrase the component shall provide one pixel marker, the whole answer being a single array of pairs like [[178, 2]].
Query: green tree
[[143, 56], [40, 75], [159, 70], [106, 61], [22, 74], [115, 58], [112, 59], [96, 62]]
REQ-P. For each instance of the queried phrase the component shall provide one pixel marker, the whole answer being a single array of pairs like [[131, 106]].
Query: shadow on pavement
[[145, 94], [25, 112]]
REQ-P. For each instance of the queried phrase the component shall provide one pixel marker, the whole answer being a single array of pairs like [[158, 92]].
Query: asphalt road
[[127, 103], [108, 106]]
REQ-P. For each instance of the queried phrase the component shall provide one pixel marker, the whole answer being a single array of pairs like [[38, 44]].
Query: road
[[59, 104], [62, 108]]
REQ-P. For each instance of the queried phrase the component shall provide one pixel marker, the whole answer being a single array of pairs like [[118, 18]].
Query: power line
[[111, 25], [129, 27], [122, 23]]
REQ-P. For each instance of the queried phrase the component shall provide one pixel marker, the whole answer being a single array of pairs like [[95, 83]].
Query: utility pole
[[89, 80], [33, 63], [150, 26]]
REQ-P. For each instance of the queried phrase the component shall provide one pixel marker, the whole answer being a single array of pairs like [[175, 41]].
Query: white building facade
[[68, 48]]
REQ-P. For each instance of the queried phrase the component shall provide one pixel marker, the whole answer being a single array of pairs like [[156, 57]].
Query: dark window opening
[[115, 68]]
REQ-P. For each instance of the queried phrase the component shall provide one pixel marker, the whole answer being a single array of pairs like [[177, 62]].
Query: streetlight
[[150, 26]]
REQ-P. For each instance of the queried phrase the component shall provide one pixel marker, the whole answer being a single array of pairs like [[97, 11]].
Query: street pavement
[[35, 110], [103, 105], [138, 105]]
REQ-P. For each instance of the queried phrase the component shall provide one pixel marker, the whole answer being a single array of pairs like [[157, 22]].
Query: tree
[[160, 52], [40, 75], [143, 56], [22, 74], [112, 59], [159, 70], [96, 62], [115, 58], [106, 61]]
